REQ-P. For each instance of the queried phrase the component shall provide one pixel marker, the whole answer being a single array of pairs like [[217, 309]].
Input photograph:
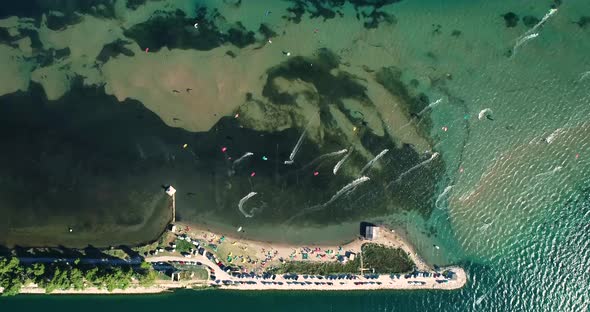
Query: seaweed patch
[[114, 49], [331, 8], [176, 31], [511, 19]]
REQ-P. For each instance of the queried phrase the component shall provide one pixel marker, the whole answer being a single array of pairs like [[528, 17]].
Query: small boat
[[240, 229]]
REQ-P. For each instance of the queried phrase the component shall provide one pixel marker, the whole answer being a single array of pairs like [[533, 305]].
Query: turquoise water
[[516, 210]]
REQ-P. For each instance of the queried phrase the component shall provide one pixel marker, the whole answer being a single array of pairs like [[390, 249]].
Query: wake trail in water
[[482, 297], [584, 76], [532, 33], [485, 227], [327, 155], [298, 145], [444, 192], [341, 161], [552, 171], [401, 176], [243, 201], [553, 135], [348, 188], [428, 107], [140, 151], [372, 161], [542, 21], [522, 41], [237, 161]]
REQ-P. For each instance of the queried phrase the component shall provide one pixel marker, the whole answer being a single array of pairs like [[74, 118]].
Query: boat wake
[[322, 157], [532, 33], [552, 171], [553, 135], [428, 107], [298, 145], [522, 41], [405, 173], [372, 161], [542, 21], [341, 161], [348, 188], [239, 160], [444, 192], [243, 201]]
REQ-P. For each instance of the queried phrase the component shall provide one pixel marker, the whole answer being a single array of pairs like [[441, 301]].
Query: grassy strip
[[382, 259], [385, 260], [317, 268], [183, 246]]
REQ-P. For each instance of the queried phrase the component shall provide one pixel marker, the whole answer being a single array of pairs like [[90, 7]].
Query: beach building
[[372, 232]]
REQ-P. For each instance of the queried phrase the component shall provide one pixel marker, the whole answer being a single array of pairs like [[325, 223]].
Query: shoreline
[[263, 255], [387, 237]]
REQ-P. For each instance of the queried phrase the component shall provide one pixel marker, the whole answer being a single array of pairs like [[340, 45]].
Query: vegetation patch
[[76, 275], [511, 19], [183, 246], [385, 260], [381, 259], [317, 268]]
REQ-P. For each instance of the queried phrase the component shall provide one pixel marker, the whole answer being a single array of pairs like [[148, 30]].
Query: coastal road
[[280, 282], [315, 283]]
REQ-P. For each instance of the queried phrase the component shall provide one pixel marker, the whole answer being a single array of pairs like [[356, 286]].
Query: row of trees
[[62, 276]]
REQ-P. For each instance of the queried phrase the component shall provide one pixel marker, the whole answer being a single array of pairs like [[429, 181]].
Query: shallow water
[[508, 197]]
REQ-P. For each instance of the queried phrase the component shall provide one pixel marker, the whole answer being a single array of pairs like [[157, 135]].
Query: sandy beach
[[257, 256], [263, 254]]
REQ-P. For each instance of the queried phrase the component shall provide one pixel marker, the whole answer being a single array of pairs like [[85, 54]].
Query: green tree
[[13, 288], [77, 279], [9, 266], [38, 269], [92, 277], [12, 276], [147, 276]]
